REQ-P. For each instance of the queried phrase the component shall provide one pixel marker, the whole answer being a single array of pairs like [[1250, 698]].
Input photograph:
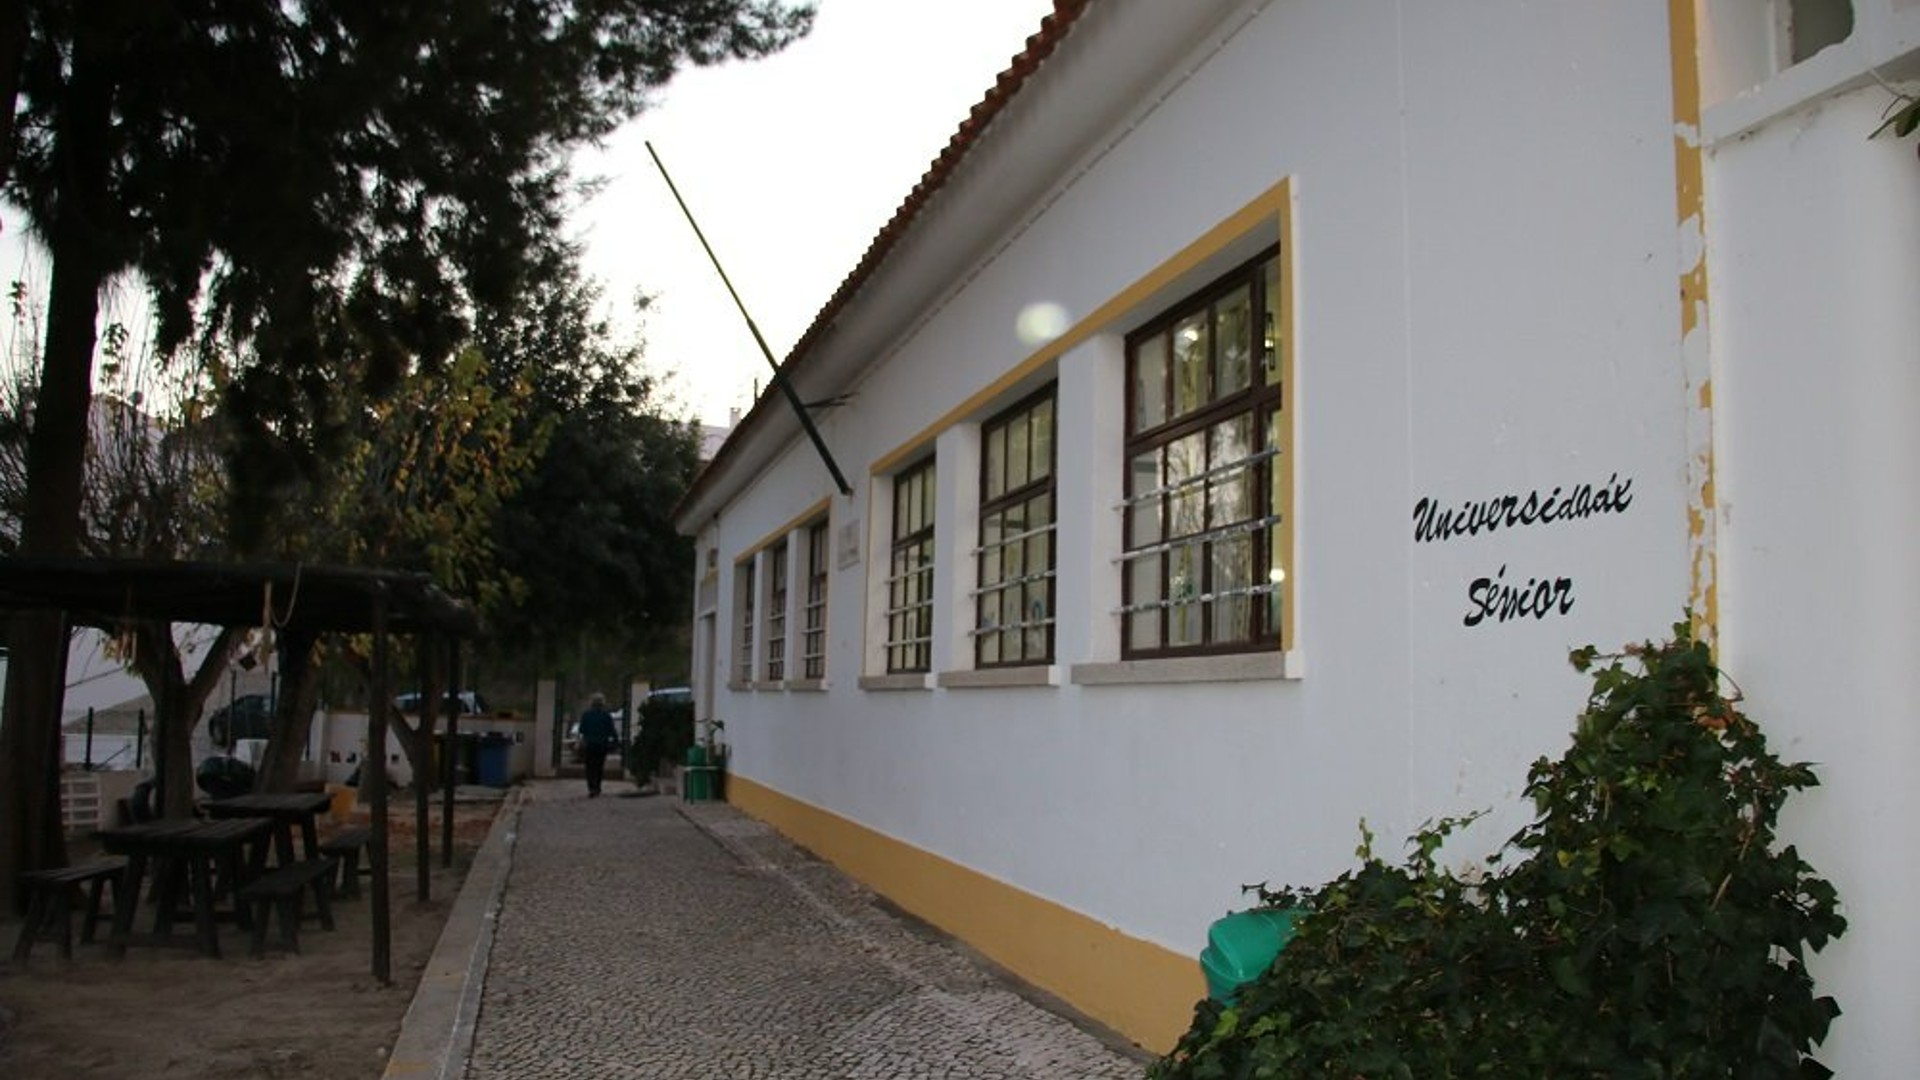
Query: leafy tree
[[295, 183], [152, 484], [589, 534], [419, 485]]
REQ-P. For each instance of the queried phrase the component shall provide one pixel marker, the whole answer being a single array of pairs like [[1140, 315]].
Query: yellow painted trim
[[1703, 594], [1289, 408], [805, 517], [1270, 204], [1144, 991]]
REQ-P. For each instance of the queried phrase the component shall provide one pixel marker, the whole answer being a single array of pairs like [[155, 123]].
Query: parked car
[[469, 702], [249, 716]]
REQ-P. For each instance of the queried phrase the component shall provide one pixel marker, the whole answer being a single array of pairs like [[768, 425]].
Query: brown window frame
[[776, 643], [909, 586], [744, 584], [813, 616], [1208, 483], [990, 641]]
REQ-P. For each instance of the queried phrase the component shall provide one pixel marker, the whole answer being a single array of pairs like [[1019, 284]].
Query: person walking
[[597, 733]]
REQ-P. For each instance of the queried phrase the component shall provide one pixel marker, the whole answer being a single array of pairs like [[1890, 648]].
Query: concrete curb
[[437, 1035]]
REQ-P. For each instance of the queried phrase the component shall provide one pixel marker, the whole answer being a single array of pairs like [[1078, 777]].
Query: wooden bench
[[346, 846], [50, 903], [281, 890]]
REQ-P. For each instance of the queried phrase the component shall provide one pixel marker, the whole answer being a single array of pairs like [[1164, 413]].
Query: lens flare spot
[[1040, 323]]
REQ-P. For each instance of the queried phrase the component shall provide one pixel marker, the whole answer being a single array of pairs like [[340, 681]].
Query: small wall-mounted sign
[[846, 545]]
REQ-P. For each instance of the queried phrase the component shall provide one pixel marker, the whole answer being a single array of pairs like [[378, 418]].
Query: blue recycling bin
[[492, 760]]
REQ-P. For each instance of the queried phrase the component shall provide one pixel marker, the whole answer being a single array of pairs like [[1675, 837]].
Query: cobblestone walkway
[[645, 937]]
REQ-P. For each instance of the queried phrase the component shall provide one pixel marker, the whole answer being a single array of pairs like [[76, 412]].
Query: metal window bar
[[1203, 598], [918, 605], [980, 631], [923, 568], [1014, 539], [901, 643], [1011, 583], [1199, 478], [1220, 532]]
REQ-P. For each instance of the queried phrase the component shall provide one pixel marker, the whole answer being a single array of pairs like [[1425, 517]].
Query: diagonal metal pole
[[779, 375]]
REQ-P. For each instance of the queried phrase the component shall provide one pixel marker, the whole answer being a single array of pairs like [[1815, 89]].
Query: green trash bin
[[1242, 946], [699, 776]]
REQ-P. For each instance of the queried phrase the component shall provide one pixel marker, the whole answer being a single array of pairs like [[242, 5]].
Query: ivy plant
[[1646, 923]]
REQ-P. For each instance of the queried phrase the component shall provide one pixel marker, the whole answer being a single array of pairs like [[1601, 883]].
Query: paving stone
[[648, 937]]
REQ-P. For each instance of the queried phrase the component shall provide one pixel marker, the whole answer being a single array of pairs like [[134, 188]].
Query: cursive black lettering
[[1493, 599]]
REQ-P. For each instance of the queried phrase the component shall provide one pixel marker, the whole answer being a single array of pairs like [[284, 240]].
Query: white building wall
[[1814, 251], [1485, 282]]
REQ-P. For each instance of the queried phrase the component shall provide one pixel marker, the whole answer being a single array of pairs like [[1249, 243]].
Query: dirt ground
[[163, 1014]]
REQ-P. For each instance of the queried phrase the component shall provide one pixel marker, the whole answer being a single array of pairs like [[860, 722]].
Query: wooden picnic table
[[284, 811], [207, 859]]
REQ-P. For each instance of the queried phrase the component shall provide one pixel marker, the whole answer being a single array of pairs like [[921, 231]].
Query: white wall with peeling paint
[[1814, 257]]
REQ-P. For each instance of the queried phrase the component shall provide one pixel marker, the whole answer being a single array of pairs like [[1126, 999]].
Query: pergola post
[[454, 682], [374, 780]]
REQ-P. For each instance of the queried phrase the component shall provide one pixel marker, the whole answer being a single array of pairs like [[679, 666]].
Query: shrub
[[666, 730], [1643, 925]]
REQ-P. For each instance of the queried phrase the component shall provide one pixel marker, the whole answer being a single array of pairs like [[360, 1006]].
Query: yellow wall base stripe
[[1143, 991]]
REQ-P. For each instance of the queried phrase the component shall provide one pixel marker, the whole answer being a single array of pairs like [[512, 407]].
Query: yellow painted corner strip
[[1703, 593], [1141, 990], [1271, 205]]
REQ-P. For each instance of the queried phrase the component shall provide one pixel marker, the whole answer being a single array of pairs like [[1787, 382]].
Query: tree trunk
[[13, 58], [30, 837], [177, 704], [293, 713]]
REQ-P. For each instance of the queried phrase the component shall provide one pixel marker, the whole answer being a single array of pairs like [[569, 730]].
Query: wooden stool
[[346, 846], [50, 904], [280, 890]]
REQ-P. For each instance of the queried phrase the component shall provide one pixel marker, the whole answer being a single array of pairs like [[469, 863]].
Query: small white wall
[[1814, 255]]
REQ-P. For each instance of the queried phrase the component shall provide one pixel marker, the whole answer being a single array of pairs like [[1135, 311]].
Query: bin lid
[[1244, 944]]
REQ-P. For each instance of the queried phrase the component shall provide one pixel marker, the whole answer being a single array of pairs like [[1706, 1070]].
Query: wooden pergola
[[303, 602]]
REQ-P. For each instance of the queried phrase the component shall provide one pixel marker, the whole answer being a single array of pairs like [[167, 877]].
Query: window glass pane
[[1019, 467], [1189, 364], [1036, 632], [991, 571], [1150, 383], [1039, 512], [926, 497], [1186, 459], [1040, 545], [1233, 335], [1143, 518], [1143, 627], [1184, 570], [1270, 321], [1043, 439], [1232, 573], [996, 462], [1276, 558], [1229, 495], [989, 649]]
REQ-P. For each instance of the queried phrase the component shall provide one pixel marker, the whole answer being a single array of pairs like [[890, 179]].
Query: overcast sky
[[791, 165]]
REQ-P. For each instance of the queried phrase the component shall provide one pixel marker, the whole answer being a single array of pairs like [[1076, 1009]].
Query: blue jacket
[[597, 729]]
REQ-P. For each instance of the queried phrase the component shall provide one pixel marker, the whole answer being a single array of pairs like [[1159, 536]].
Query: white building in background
[[1257, 401]]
